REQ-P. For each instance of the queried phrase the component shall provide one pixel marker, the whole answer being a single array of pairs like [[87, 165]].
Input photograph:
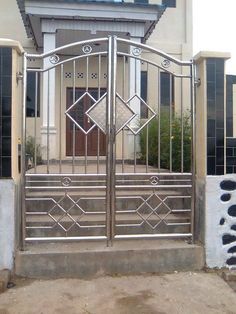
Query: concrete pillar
[[212, 219], [7, 223], [10, 138], [134, 89], [48, 104]]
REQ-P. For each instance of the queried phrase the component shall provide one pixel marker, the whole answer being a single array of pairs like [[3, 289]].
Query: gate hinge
[[19, 77], [197, 82]]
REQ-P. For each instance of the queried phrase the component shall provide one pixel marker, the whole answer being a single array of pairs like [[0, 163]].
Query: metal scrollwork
[[165, 63], [154, 180], [66, 181], [54, 59], [87, 49], [136, 51]]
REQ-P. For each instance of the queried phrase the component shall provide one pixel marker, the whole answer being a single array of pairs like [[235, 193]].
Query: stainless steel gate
[[111, 154]]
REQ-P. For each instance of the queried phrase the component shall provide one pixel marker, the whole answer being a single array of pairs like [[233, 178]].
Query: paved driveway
[[183, 293]]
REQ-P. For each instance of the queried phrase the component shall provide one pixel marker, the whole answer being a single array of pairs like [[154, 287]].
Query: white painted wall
[[7, 223], [11, 24]]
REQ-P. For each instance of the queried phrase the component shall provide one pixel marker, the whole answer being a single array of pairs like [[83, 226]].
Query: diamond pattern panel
[[124, 114], [60, 212], [154, 210], [76, 105], [97, 113], [136, 101]]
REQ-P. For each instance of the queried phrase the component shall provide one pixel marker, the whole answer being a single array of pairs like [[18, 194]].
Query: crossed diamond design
[[124, 113], [68, 112], [65, 218], [148, 210], [136, 128]]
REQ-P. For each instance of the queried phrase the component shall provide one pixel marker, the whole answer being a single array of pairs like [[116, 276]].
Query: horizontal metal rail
[[154, 64], [160, 236], [155, 51], [104, 187], [67, 239], [78, 43]]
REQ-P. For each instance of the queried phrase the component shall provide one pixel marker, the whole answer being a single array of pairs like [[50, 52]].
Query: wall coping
[[199, 57], [5, 42]]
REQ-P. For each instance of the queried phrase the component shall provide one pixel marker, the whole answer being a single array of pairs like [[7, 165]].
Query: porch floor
[[91, 167]]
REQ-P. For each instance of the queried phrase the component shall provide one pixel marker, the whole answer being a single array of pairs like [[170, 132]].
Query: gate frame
[[110, 130]]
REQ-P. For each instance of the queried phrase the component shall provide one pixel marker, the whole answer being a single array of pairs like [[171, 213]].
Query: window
[[32, 87], [143, 89], [166, 89], [169, 3]]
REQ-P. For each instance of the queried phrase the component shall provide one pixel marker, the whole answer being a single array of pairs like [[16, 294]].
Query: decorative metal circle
[[66, 181], [165, 63], [87, 49], [154, 180], [54, 59], [136, 51]]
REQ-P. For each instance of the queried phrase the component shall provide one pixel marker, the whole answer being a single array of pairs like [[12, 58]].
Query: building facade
[[41, 26]]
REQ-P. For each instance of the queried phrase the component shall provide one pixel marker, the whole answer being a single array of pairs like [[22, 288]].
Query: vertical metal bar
[[99, 95], [182, 128], [110, 139], [170, 118], [35, 121], [86, 138], [87, 73], [99, 76], [135, 76], [23, 152], [98, 150], [124, 78], [48, 128], [135, 91], [123, 130], [86, 154], [73, 134], [193, 155], [60, 119], [147, 148], [135, 152], [159, 120], [123, 150]]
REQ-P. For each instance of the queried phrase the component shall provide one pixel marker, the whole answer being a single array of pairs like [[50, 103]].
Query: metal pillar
[[110, 139]]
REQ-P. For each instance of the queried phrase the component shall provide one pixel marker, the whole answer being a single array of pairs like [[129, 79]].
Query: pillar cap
[[5, 42], [211, 54]]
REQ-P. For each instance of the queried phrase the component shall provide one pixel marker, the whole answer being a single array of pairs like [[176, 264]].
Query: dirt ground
[[182, 293]]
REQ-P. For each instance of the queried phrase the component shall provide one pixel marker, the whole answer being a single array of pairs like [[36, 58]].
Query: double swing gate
[[110, 152]]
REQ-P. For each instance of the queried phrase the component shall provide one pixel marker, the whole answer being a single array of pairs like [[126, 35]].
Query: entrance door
[[82, 135]]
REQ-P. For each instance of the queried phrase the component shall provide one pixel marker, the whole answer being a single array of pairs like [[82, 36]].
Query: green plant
[[176, 136], [32, 149]]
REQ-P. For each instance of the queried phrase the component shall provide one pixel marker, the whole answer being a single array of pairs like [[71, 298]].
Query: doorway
[[82, 136]]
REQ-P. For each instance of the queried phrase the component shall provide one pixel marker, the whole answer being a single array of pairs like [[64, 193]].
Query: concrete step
[[90, 259]]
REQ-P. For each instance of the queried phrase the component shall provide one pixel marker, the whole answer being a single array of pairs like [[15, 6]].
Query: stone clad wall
[[221, 221], [5, 110]]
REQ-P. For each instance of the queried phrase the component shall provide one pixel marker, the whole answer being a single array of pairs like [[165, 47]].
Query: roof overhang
[[35, 12]]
